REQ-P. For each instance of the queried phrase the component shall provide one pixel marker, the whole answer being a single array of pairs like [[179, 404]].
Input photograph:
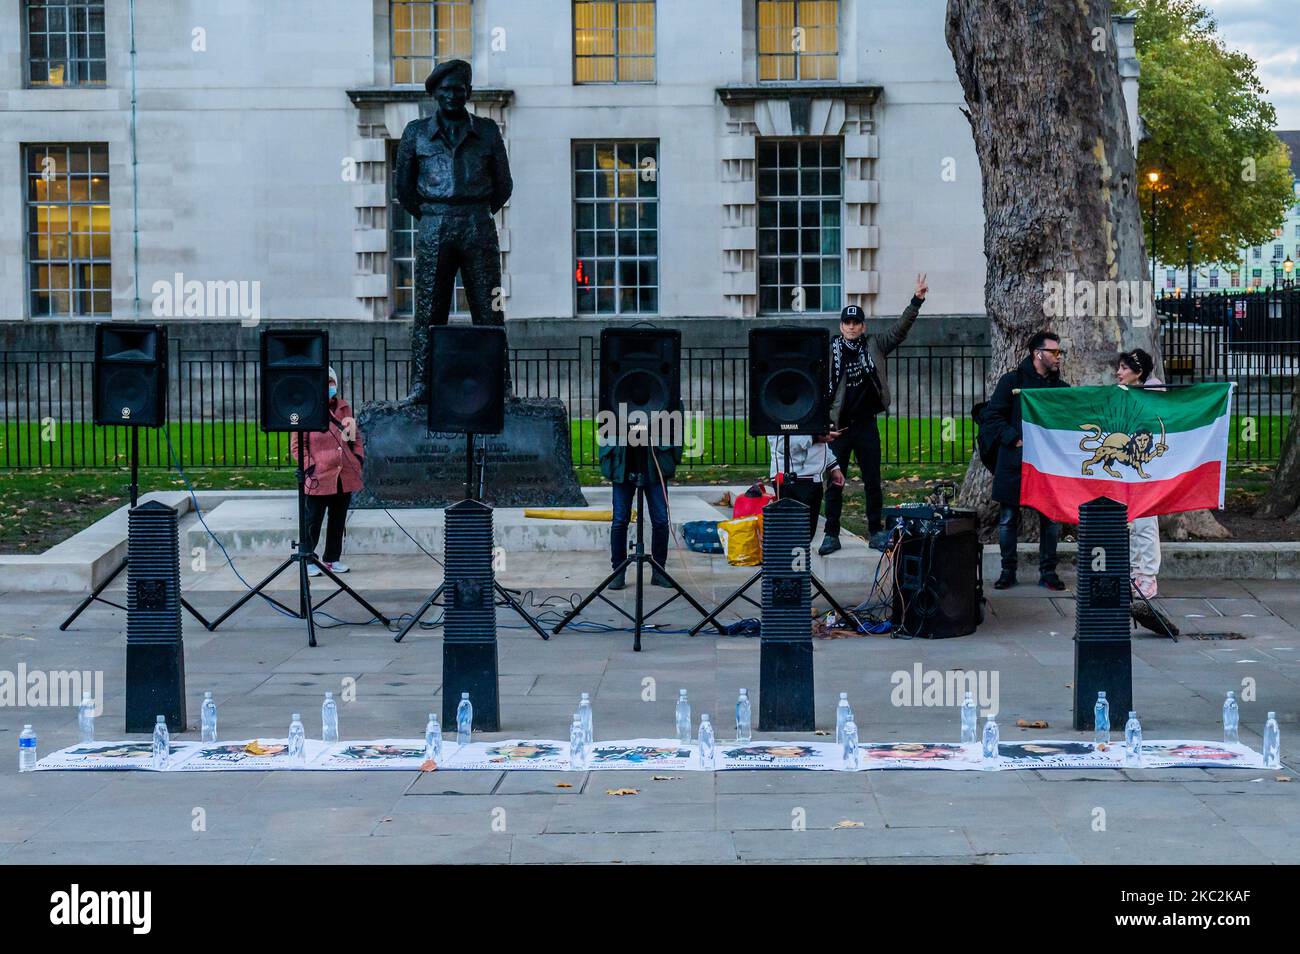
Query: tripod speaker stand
[[638, 558], [474, 476], [743, 591], [104, 584], [303, 558]]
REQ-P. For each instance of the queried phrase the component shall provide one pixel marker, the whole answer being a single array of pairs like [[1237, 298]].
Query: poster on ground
[[809, 756], [667, 755], [951, 756], [114, 756], [265, 755], [380, 755], [511, 755]]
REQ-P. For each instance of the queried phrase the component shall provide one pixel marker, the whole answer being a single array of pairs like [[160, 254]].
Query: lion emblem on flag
[[1132, 450]]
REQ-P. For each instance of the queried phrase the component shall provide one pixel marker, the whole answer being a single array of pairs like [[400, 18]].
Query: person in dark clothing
[[1041, 369], [452, 175], [652, 467], [859, 391]]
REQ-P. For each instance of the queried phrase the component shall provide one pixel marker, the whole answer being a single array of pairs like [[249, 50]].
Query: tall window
[[799, 195], [65, 42], [614, 41], [1214, 278], [428, 32], [616, 227], [68, 230], [1171, 278], [798, 39], [1279, 252]]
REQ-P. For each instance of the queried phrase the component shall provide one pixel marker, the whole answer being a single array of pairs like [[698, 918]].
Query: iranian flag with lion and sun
[[1156, 451]]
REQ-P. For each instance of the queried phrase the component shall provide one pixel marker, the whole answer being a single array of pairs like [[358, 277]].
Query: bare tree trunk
[[1283, 495], [1046, 109]]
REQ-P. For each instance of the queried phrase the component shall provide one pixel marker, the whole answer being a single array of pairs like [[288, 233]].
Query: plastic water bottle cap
[[296, 717], [329, 695], [1272, 715], [27, 727], [704, 718], [584, 695], [207, 695], [162, 720], [744, 691], [1101, 695], [1229, 693], [464, 695], [1132, 714]]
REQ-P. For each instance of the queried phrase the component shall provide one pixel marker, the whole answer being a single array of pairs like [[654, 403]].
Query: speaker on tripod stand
[[129, 390], [640, 379], [295, 399]]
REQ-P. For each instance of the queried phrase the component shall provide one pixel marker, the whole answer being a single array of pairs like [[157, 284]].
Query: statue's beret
[[442, 69]]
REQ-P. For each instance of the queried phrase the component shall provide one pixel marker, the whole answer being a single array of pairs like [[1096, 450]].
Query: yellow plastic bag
[[742, 538], [601, 516]]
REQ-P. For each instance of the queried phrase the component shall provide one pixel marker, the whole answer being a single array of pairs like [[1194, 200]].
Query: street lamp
[[1288, 267], [1153, 178]]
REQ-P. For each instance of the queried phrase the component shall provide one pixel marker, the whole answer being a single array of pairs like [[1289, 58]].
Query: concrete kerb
[[263, 521]]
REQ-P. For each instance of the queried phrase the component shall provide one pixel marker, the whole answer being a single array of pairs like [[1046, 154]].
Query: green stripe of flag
[[1113, 409]]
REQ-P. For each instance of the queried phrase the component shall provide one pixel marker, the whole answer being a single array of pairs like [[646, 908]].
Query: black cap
[[442, 69], [852, 313]]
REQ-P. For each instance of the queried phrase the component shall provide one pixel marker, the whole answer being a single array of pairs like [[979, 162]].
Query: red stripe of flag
[[1059, 497]]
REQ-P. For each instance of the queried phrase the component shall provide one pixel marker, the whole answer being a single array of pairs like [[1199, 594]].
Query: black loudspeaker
[[130, 375], [788, 383], [938, 578], [467, 379], [640, 370], [295, 380]]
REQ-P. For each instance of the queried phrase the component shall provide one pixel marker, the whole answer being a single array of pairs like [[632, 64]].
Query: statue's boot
[[419, 393]]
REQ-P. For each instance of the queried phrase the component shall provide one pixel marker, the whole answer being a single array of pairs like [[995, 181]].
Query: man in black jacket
[[860, 391], [1041, 369]]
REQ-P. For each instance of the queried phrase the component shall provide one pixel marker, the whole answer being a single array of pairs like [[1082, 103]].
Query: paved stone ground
[[260, 670]]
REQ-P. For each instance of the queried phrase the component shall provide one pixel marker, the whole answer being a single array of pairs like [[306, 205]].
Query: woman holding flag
[[1133, 369]]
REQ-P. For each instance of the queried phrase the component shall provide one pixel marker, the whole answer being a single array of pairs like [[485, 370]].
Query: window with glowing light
[[68, 237], [426, 33], [616, 228]]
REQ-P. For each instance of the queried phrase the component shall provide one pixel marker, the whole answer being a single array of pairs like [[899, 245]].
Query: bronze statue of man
[[452, 176]]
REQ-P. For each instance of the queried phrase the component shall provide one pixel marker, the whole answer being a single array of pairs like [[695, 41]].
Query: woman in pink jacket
[[333, 475]]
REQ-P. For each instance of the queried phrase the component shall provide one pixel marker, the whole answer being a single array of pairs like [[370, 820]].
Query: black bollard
[[785, 691], [469, 631], [155, 652], [1103, 660]]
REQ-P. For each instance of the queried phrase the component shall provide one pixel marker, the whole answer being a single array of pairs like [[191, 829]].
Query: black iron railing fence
[[46, 398]]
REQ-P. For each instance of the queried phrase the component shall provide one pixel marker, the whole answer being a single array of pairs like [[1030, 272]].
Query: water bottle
[[1231, 718], [86, 718], [683, 718], [990, 739], [208, 715], [577, 744], [297, 740], [850, 745], [433, 739], [329, 719], [744, 719], [584, 714], [1132, 740], [161, 744], [969, 719], [706, 742], [1101, 720], [464, 720], [843, 716], [1272, 743], [27, 750]]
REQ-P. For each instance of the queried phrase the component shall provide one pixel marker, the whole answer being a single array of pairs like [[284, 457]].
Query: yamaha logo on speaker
[[293, 418], [126, 413]]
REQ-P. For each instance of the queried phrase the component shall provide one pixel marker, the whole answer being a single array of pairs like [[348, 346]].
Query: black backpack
[[985, 446]]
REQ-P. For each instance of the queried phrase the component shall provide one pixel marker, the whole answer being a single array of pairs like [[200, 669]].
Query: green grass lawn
[[724, 442]]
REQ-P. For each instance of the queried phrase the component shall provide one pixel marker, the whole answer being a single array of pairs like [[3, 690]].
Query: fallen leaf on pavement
[[666, 778], [1034, 724], [563, 785], [848, 824], [1284, 778], [622, 791], [428, 765], [821, 732]]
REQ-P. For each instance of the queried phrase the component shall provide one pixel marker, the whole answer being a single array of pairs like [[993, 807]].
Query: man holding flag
[[1002, 419]]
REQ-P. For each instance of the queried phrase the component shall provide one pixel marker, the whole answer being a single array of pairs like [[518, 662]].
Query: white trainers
[[313, 569], [338, 566]]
